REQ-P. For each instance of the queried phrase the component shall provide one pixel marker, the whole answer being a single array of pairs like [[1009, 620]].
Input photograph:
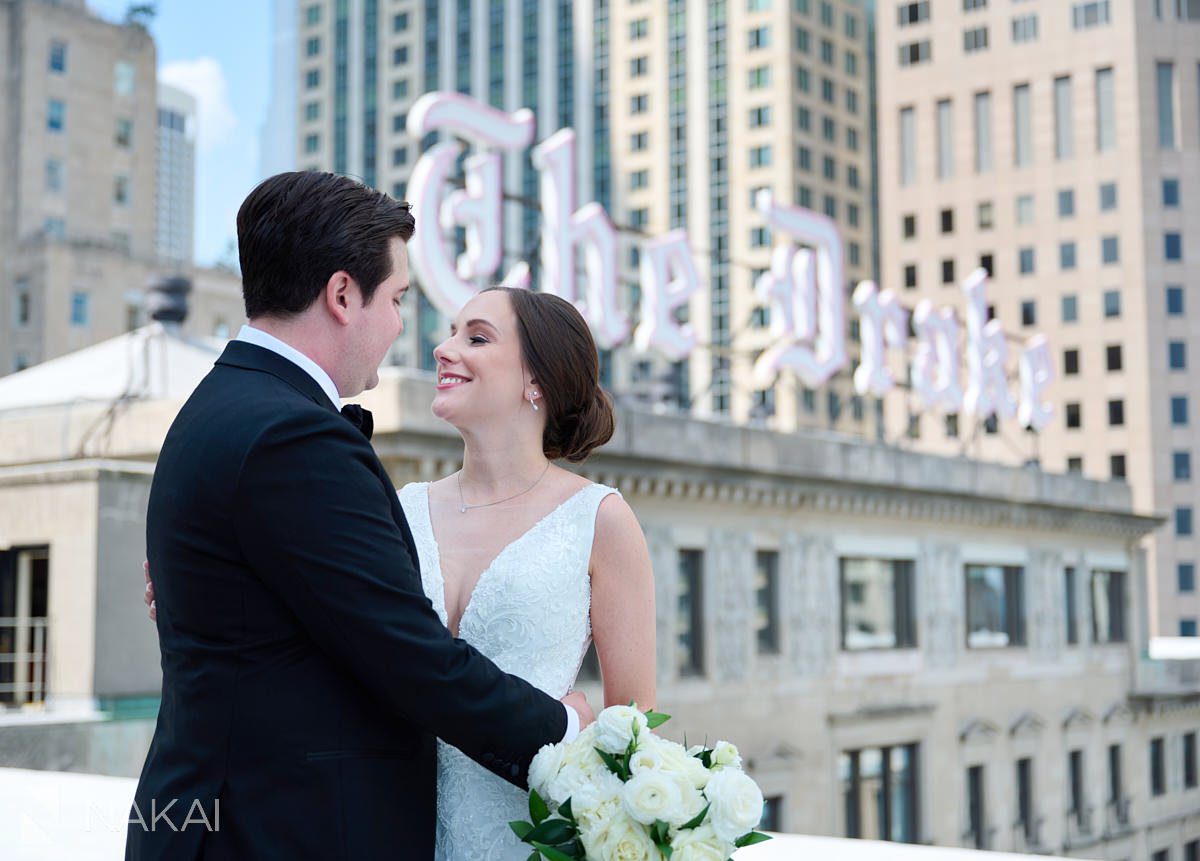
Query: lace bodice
[[530, 614]]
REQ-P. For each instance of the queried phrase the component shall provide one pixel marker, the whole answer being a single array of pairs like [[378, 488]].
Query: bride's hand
[[578, 701], [148, 597]]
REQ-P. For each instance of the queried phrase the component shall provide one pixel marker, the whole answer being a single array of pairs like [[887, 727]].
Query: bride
[[523, 559]]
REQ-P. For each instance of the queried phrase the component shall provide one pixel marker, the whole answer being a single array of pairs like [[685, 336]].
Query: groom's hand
[[578, 701], [148, 597]]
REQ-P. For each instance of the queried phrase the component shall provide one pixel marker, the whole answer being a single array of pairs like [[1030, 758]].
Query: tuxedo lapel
[[241, 354]]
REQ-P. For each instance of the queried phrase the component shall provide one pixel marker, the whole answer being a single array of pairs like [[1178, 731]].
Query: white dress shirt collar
[[269, 342]]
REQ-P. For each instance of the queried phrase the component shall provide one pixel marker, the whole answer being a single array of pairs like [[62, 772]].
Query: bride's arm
[[623, 606]]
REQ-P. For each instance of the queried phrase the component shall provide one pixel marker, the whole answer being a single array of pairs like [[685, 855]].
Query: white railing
[[23, 660]]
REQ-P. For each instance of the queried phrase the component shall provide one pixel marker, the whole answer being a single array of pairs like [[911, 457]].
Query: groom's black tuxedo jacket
[[304, 670]]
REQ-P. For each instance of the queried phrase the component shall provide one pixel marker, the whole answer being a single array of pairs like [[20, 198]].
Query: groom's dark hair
[[296, 229]]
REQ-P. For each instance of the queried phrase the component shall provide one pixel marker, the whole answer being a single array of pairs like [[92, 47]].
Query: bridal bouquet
[[619, 791]]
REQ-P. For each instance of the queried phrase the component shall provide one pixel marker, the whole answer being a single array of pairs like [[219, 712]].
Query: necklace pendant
[[462, 509]]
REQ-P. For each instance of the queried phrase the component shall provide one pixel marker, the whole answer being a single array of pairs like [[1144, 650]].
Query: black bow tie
[[360, 418]]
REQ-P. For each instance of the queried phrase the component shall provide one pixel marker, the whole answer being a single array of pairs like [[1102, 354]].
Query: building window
[[985, 215], [1116, 413], [1189, 744], [1165, 79], [639, 179], [1022, 126], [948, 271], [908, 146], [312, 143], [1170, 193], [80, 308], [975, 39], [766, 593], [1181, 465], [914, 53], [121, 190], [58, 57], [1112, 303], [760, 116], [400, 55], [312, 46], [1116, 467], [54, 228], [760, 77], [1112, 357], [1108, 196], [877, 604], [1179, 410], [1069, 606], [1110, 250], [1072, 415], [1174, 301], [1106, 121], [1025, 261], [1185, 577], [1070, 362], [639, 28], [1158, 771], [1177, 355], [1093, 13], [690, 613], [312, 15], [1187, 626], [1074, 465], [1028, 313], [56, 115], [1066, 203], [1108, 606], [1173, 247], [760, 156], [880, 793], [1025, 29], [983, 132], [24, 624], [908, 14], [1027, 820], [639, 66], [978, 833], [1078, 809], [639, 141], [400, 22], [910, 276], [1066, 256], [312, 79], [1025, 209], [995, 606], [55, 176], [772, 815], [1183, 520], [400, 89]]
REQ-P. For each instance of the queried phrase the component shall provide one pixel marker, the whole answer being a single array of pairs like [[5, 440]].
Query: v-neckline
[[437, 554]]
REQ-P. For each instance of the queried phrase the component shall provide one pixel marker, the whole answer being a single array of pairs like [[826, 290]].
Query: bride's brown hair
[[558, 349]]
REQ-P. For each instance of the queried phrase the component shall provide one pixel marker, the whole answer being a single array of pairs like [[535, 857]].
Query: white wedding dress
[[530, 614]]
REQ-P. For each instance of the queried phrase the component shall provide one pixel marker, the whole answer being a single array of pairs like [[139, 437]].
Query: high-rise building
[[1055, 145], [711, 104], [761, 95], [277, 137], [176, 185], [77, 223], [361, 66]]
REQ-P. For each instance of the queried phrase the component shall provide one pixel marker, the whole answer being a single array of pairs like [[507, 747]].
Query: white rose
[[545, 766], [652, 795], [616, 727], [649, 756], [625, 840], [693, 803], [677, 760], [725, 754], [571, 777], [737, 803], [598, 801], [700, 844]]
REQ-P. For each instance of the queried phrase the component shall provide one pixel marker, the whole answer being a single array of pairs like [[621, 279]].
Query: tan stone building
[[1058, 146], [904, 646]]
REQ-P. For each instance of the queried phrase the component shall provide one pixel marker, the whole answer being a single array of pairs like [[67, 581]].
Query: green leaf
[[656, 719], [552, 831], [537, 807], [564, 810], [751, 838], [697, 819], [534, 856], [614, 764], [552, 853], [705, 756], [665, 849], [521, 829]]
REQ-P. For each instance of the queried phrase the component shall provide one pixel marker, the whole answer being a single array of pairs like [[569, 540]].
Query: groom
[[305, 674]]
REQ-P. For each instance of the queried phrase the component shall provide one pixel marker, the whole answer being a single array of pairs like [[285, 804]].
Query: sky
[[219, 51]]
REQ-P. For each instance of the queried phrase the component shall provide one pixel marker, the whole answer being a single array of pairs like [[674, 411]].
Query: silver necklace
[[463, 508]]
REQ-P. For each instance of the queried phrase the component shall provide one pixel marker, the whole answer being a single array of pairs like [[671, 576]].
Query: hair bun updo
[[559, 352]]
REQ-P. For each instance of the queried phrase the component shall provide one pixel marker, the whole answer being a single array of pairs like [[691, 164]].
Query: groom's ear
[[339, 295]]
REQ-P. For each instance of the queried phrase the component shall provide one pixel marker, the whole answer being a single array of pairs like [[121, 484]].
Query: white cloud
[[204, 79]]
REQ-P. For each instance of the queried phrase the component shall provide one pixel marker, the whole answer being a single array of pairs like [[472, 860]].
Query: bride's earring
[[532, 396]]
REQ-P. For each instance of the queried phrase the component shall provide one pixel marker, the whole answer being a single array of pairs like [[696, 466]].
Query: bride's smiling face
[[481, 375]]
